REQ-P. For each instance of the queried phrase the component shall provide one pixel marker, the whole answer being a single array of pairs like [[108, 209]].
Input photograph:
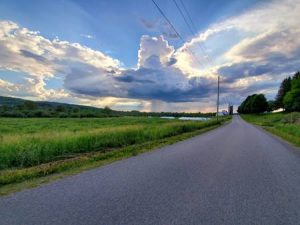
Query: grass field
[[37, 147], [284, 125]]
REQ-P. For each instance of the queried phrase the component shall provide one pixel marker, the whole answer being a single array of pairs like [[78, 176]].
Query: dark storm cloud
[[242, 70], [274, 64], [196, 90], [143, 83], [129, 76]]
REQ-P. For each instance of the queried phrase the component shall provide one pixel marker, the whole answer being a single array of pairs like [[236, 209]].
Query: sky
[[125, 55]]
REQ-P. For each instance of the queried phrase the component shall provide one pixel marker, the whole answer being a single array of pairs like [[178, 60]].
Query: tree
[[4, 108], [256, 103], [60, 108], [30, 105], [291, 100], [296, 75], [284, 88], [259, 104], [107, 110], [271, 105], [76, 110]]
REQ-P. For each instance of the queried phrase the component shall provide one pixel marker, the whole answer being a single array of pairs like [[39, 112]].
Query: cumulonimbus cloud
[[155, 78], [92, 73]]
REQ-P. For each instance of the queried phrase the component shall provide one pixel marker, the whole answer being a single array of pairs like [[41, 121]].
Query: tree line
[[287, 98], [13, 107]]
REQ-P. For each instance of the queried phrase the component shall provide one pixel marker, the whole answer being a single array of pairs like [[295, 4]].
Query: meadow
[[35, 147], [284, 125]]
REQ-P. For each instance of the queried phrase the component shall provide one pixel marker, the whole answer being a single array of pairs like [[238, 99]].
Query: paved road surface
[[237, 174]]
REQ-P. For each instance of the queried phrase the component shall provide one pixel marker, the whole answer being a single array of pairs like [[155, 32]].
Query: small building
[[230, 109]]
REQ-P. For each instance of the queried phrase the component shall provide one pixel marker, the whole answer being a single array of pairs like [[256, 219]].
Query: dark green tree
[[4, 108], [30, 105], [296, 75], [291, 100], [271, 105], [256, 103], [60, 108], [259, 104], [107, 110], [284, 88]]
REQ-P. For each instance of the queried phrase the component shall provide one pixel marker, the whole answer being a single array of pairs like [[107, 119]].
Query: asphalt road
[[236, 174]]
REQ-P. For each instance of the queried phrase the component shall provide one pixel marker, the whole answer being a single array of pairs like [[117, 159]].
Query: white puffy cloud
[[6, 86], [26, 51], [264, 47], [88, 74], [154, 46]]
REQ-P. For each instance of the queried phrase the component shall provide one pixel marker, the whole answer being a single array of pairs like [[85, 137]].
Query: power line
[[174, 29], [204, 50], [182, 14], [192, 28], [187, 13], [187, 23], [166, 18]]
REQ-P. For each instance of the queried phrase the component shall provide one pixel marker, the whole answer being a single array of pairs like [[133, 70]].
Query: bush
[[291, 118]]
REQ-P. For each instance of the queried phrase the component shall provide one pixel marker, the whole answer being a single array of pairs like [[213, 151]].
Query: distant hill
[[17, 107], [9, 101]]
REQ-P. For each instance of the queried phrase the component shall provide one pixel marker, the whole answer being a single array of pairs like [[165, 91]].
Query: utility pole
[[218, 97]]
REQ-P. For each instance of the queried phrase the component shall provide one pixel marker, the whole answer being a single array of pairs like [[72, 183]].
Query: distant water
[[168, 117], [194, 118], [186, 118]]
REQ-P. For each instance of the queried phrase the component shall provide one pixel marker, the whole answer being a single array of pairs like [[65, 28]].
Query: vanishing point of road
[[236, 174]]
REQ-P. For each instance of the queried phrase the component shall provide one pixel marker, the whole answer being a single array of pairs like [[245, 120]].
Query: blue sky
[[115, 25], [123, 54]]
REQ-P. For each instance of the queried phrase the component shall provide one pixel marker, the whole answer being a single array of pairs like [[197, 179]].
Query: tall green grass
[[41, 125], [37, 144], [285, 125]]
